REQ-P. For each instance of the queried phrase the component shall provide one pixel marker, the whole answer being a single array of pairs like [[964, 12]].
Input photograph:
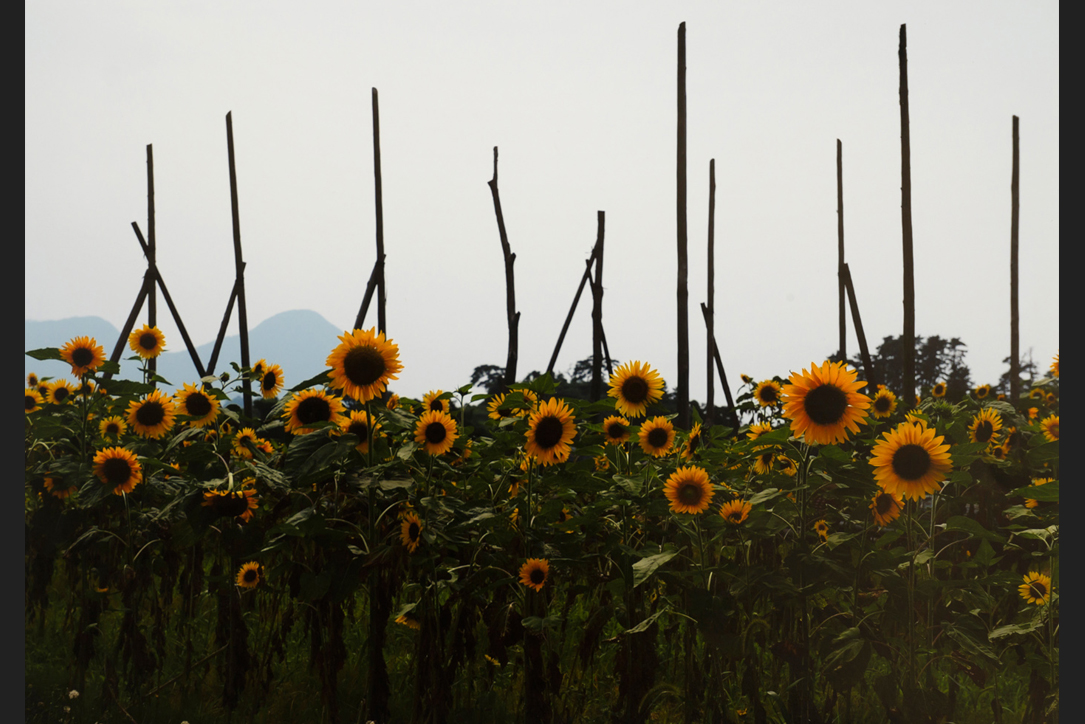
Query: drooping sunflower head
[[435, 401], [735, 512], [1050, 427], [534, 573], [153, 416], [616, 430], [767, 393], [822, 529], [363, 364], [693, 442], [147, 342], [911, 461], [238, 504], [985, 424], [33, 400], [84, 354], [435, 432], [635, 386], [358, 424], [824, 404], [119, 469], [983, 392], [657, 436], [409, 620], [309, 407], [884, 404], [550, 432], [939, 389], [495, 409], [1036, 588], [112, 427], [58, 487], [249, 575], [271, 381], [410, 531], [245, 441], [758, 429], [59, 392], [689, 490], [887, 507], [198, 403], [746, 379], [763, 460], [787, 466], [392, 402]]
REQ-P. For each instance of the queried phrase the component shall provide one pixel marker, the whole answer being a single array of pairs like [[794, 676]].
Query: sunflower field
[[349, 555]]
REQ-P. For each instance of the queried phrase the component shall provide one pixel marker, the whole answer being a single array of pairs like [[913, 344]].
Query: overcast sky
[[581, 99]]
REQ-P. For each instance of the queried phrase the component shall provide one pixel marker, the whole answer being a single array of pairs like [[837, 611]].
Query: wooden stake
[[152, 300], [222, 329], [597, 314], [711, 306], [840, 248], [239, 267], [382, 321], [584, 279], [683, 270], [378, 268], [864, 351], [510, 283], [1015, 352], [118, 349], [719, 368], [907, 395]]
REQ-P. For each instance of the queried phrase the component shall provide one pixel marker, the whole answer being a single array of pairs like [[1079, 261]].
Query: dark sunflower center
[[694, 442], [1039, 590], [85, 389], [251, 575], [617, 430], [112, 429], [537, 576], [414, 531], [436, 406], [268, 382], [735, 515], [882, 404], [768, 394], [363, 365], [117, 471], [198, 405], [635, 390], [766, 459], [690, 493], [911, 462], [984, 431], [435, 433], [884, 504], [81, 357], [31, 402], [313, 409], [360, 429], [148, 341], [232, 505], [150, 413], [61, 394], [825, 404], [657, 437], [1053, 428], [548, 432], [982, 392]]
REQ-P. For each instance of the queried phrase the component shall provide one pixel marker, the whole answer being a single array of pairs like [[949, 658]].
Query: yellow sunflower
[[939, 389], [392, 402], [271, 381], [689, 490], [309, 407], [147, 342], [410, 621], [363, 364], [410, 531], [616, 430], [693, 442], [436, 432], [983, 392], [602, 464], [657, 436], [84, 354], [496, 411], [550, 430], [787, 466], [535, 572], [910, 461], [635, 386], [85, 389], [244, 442], [432, 402], [358, 424], [258, 368], [1050, 426], [33, 400], [1037, 393], [1055, 366], [735, 512], [248, 576], [119, 469], [58, 487], [884, 404], [758, 429], [60, 391], [985, 424], [236, 504], [198, 403], [32, 380], [887, 507], [767, 393], [113, 427], [746, 379], [762, 462], [1036, 588], [824, 404], [152, 416], [822, 529]]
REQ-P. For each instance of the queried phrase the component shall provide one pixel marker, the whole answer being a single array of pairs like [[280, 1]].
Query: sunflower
[[735, 512], [883, 404], [758, 429], [787, 466], [248, 576], [258, 368], [822, 529], [113, 427], [689, 490], [148, 342], [1033, 412], [997, 451], [1050, 426], [496, 411], [1036, 393], [1036, 588], [33, 400], [693, 442], [939, 389], [309, 407], [910, 461], [762, 463], [271, 381], [198, 403], [59, 391], [392, 402], [886, 507], [984, 425], [550, 429], [767, 393], [746, 379], [436, 432], [119, 469], [636, 386], [410, 531], [58, 487], [85, 390], [410, 621], [32, 380], [432, 401], [983, 392], [824, 403], [363, 364], [358, 424], [602, 464], [152, 416], [244, 441], [236, 504], [535, 572], [1055, 366], [616, 430], [657, 436], [84, 354]]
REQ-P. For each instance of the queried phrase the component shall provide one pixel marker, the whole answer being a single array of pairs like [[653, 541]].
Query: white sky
[[580, 98]]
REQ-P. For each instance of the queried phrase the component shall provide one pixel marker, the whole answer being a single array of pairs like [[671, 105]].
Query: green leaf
[[45, 353], [645, 567], [765, 495], [972, 527], [1042, 453], [646, 623], [1014, 628], [321, 379], [1046, 493]]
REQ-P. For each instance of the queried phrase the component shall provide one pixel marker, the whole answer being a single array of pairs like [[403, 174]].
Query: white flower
[[73, 694]]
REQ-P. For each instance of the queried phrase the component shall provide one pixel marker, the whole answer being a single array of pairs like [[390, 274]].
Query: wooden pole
[[840, 248], [683, 271], [584, 279], [864, 351], [719, 368], [118, 349], [222, 329], [370, 286], [1015, 352], [382, 321], [597, 314], [152, 300], [907, 395], [239, 268], [510, 283], [711, 306]]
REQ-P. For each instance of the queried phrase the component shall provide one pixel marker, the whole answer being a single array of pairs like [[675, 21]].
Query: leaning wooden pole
[[907, 395], [864, 351], [213, 360], [510, 283], [840, 249], [370, 287], [597, 314], [382, 321], [118, 349], [711, 305], [1015, 352], [584, 279], [152, 298], [683, 268], [239, 268], [714, 348]]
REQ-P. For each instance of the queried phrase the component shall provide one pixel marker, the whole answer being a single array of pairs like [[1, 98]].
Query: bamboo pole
[[864, 351], [382, 320], [908, 338], [683, 270], [711, 306], [510, 283], [152, 299], [239, 267], [840, 249], [1015, 352], [597, 314]]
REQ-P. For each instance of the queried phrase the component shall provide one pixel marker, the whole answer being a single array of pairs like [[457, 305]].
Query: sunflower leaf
[[45, 353], [1040, 454], [972, 527], [1014, 628], [1046, 493], [321, 379], [764, 496], [645, 567]]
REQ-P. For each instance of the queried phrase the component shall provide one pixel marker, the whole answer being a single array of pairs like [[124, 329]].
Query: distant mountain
[[299, 341]]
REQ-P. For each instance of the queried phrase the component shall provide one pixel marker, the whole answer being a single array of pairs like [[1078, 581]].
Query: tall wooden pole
[[152, 298], [510, 283], [864, 351], [840, 248], [382, 321], [1015, 352], [711, 305], [597, 314], [239, 268], [683, 270], [907, 395]]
